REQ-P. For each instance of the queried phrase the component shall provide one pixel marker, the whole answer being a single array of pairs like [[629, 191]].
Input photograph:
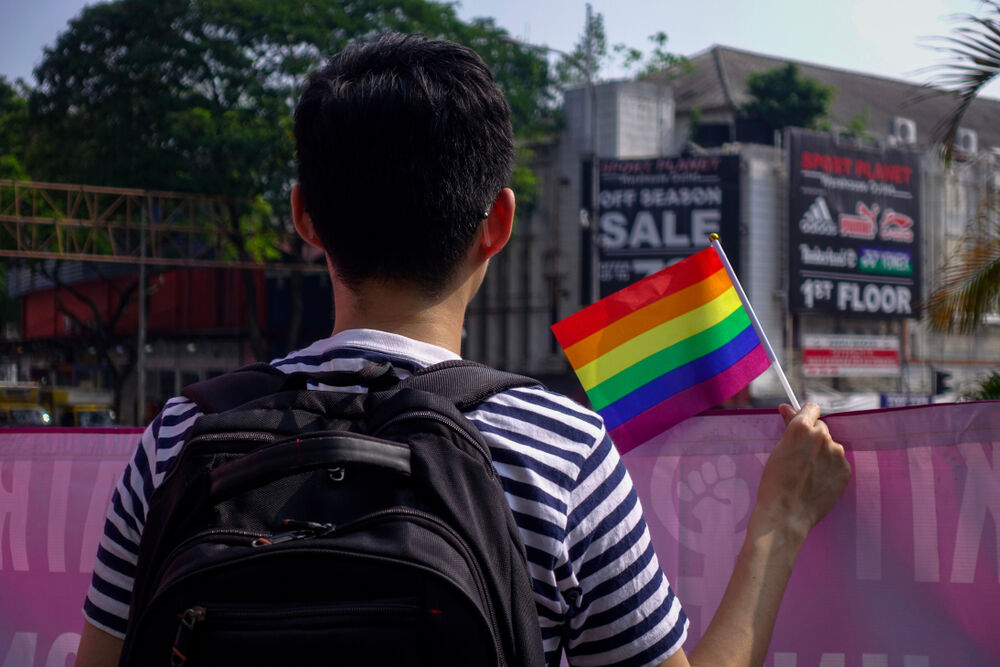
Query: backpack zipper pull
[[184, 640], [299, 530]]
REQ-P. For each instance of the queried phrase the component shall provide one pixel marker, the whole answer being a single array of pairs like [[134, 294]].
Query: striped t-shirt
[[597, 583]]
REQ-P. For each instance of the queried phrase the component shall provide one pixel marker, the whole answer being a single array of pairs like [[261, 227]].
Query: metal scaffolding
[[88, 223], [101, 224]]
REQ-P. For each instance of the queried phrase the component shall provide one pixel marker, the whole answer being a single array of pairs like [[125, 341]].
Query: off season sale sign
[[854, 222], [656, 212]]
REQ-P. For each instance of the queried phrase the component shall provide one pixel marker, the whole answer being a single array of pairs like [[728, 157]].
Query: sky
[[882, 37]]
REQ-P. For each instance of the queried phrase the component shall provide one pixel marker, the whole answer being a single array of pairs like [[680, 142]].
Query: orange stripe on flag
[[628, 327], [649, 290]]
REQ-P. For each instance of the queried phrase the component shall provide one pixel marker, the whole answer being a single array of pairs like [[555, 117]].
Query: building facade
[[863, 356]]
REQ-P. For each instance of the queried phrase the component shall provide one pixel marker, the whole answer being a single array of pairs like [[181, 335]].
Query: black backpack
[[302, 527]]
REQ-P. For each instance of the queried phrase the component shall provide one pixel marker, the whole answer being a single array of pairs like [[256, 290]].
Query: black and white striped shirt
[[595, 576]]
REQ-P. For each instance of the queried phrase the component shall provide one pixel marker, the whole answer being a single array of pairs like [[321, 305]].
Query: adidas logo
[[817, 219]]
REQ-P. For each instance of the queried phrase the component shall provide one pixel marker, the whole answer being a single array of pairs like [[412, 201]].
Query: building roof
[[718, 82]]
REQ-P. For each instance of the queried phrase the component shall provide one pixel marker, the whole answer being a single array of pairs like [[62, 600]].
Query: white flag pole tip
[[714, 239]]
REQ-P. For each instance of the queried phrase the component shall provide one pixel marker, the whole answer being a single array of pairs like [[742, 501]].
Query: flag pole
[[714, 239]]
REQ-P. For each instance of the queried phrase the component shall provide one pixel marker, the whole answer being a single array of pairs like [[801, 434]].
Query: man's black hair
[[403, 144]]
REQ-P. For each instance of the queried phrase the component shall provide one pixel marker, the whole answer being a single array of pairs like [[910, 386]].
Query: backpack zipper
[[194, 616], [375, 516], [312, 530], [298, 530]]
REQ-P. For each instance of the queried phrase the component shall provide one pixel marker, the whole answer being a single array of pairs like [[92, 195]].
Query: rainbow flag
[[663, 349]]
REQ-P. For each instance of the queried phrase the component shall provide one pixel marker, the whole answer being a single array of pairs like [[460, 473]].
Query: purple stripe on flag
[[693, 400], [683, 377]]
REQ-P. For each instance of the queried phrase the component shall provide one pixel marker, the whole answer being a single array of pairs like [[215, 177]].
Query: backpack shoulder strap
[[466, 383], [235, 388]]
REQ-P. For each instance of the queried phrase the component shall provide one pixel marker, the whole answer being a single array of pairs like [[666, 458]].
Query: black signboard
[[656, 212], [854, 228]]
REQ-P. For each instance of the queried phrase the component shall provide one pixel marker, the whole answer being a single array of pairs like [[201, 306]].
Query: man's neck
[[403, 310]]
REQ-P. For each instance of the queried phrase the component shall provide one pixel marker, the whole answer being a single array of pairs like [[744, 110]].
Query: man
[[404, 148]]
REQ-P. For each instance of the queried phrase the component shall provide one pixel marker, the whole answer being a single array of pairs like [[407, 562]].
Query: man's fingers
[[787, 412], [809, 413]]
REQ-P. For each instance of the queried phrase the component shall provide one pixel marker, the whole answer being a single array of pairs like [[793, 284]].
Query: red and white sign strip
[[839, 355]]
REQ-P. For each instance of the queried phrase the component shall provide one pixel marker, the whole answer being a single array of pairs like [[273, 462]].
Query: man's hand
[[805, 474]]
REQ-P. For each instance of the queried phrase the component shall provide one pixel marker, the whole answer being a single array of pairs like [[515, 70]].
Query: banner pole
[[714, 239]]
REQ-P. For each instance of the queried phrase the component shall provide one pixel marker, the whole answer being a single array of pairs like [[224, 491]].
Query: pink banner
[[904, 570], [55, 485]]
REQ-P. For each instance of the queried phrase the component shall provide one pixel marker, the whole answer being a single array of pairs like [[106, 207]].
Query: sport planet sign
[[854, 223], [658, 211]]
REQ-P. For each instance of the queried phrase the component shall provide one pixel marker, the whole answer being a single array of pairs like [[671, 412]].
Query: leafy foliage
[[973, 52], [970, 283], [988, 389], [591, 54], [13, 130], [857, 127], [659, 59], [196, 95], [782, 98], [969, 286]]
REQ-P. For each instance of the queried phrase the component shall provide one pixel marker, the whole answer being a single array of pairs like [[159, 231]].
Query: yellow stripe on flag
[[658, 338], [628, 327]]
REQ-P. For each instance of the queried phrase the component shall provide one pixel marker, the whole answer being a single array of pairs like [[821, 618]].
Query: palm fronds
[[969, 285], [973, 52]]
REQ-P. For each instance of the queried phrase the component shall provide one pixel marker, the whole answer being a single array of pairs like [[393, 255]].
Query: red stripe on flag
[[649, 290], [691, 401]]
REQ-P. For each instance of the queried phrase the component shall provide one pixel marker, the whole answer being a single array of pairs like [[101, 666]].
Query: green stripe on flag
[[667, 359]]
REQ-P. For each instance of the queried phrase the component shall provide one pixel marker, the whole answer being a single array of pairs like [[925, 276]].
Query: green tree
[[13, 130], [591, 54], [969, 286], [987, 388], [782, 98], [197, 96], [857, 127], [13, 139], [969, 283]]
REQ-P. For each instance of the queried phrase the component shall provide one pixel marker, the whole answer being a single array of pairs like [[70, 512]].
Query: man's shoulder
[[540, 400], [543, 425]]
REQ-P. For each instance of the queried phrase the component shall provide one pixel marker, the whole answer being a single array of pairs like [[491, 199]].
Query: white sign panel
[[842, 355]]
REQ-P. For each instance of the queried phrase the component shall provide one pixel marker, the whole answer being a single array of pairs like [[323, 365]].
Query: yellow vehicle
[[19, 405], [77, 406], [89, 415], [23, 413]]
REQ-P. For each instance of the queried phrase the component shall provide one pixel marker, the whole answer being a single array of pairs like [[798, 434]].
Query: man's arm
[[804, 477], [97, 648]]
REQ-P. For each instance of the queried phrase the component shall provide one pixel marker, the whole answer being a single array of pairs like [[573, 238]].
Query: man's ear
[[497, 226], [303, 222]]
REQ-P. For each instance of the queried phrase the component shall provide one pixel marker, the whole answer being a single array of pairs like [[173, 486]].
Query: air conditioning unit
[[903, 131], [966, 141]]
